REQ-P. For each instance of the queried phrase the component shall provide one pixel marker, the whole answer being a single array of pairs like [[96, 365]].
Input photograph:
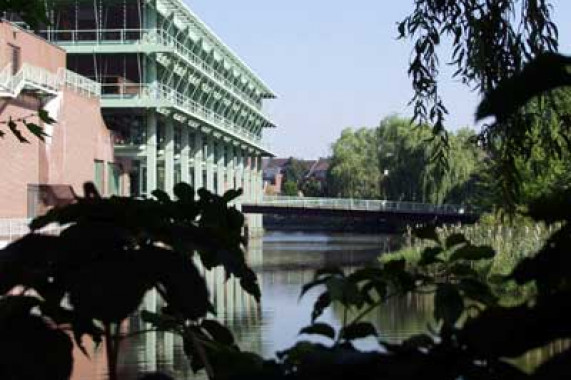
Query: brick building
[[38, 174]]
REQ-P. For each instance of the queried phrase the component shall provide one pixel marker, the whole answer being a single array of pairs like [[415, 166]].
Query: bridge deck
[[383, 209]]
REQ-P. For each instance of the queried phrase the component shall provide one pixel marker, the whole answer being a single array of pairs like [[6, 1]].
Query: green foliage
[[394, 162], [289, 188], [491, 41], [32, 12], [295, 170], [112, 251], [354, 172]]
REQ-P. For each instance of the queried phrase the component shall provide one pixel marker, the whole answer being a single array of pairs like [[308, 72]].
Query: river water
[[283, 262]]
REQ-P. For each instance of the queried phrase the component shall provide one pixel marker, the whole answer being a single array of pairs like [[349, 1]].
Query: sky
[[333, 64]]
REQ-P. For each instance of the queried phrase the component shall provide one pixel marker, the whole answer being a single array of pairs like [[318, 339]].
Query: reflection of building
[[182, 106], [35, 175]]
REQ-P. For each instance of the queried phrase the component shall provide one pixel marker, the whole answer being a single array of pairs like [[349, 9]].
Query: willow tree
[[354, 172], [491, 41]]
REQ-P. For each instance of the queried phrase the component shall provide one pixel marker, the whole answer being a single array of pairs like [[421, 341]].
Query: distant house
[[272, 173], [319, 169], [275, 173]]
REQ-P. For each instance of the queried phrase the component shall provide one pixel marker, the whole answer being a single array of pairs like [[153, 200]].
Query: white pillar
[[198, 159], [260, 179], [210, 162], [254, 177], [246, 177], [151, 152], [230, 167], [184, 155], [169, 156], [220, 167], [239, 174]]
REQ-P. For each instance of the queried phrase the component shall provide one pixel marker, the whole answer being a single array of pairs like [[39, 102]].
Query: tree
[[295, 170], [354, 171], [394, 161], [491, 42], [290, 189], [32, 12]]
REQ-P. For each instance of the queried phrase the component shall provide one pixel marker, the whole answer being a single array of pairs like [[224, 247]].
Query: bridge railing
[[360, 205]]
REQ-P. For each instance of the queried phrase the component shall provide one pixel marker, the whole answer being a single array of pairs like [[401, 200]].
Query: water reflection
[[283, 262]]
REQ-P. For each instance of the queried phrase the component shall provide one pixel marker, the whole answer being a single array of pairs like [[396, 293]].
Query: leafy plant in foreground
[[111, 252]]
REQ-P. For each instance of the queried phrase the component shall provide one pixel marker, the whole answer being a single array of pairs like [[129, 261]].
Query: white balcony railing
[[40, 79], [154, 36], [160, 94]]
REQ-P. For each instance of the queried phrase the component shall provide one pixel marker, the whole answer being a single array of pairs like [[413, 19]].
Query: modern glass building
[[180, 104]]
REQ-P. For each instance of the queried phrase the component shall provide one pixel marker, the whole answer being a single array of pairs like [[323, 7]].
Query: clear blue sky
[[333, 64]]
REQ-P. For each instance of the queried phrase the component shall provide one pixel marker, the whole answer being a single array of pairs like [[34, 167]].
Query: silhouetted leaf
[[546, 72], [455, 240], [161, 196], [430, 256], [477, 291], [184, 192], [328, 271], [16, 132], [37, 131], [427, 232], [322, 329], [310, 285], [322, 302], [473, 253], [219, 332], [448, 304], [557, 367], [358, 330], [232, 194]]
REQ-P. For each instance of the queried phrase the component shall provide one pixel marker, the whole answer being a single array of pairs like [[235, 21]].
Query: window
[[114, 179], [99, 176], [15, 58]]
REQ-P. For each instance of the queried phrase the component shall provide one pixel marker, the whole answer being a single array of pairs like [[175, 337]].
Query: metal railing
[[157, 36], [361, 205], [12, 229], [161, 93], [80, 83], [38, 78]]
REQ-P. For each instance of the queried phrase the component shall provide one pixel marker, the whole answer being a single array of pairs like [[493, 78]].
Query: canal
[[283, 262]]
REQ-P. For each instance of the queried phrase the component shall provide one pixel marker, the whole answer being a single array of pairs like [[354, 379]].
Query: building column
[[198, 159], [254, 177], [239, 168], [220, 167], [230, 174], [245, 176], [259, 179], [210, 162], [184, 155], [169, 156], [151, 152]]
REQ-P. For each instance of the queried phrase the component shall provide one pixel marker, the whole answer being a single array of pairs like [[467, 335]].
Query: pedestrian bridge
[[377, 209]]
